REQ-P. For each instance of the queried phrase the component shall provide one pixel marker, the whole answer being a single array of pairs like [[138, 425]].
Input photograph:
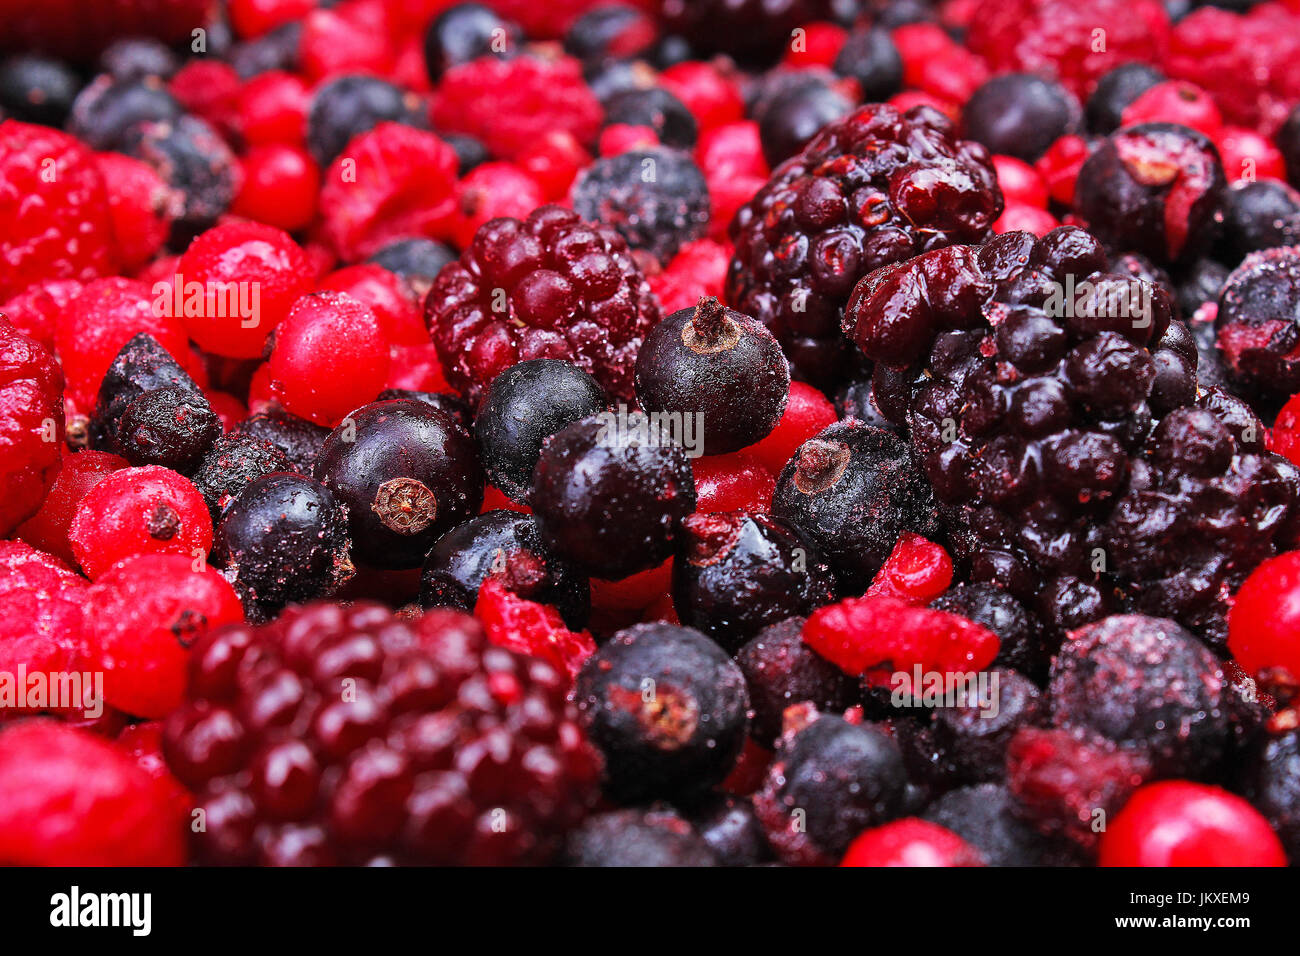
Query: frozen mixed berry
[[388, 296], [738, 481], [1272, 784], [1263, 629], [873, 188], [730, 827], [446, 750], [135, 58], [418, 261], [911, 842], [31, 406], [870, 56], [467, 555], [610, 30], [1258, 322], [719, 367], [549, 286], [1260, 215], [985, 816], [974, 734], [525, 405], [37, 89], [604, 466], [851, 491], [349, 105], [657, 837], [666, 707], [299, 439], [107, 108], [1020, 115], [1021, 645], [42, 625], [656, 109], [407, 473], [78, 473], [830, 780], [231, 464], [807, 412], [279, 189], [737, 572], [465, 32], [755, 32], [453, 405]]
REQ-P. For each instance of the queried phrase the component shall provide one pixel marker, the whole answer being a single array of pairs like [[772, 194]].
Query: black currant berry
[[418, 261], [1259, 215], [351, 105], [610, 30], [37, 89], [674, 125], [656, 838], [1114, 92], [466, 32], [232, 463], [973, 735], [870, 57], [729, 825], [1020, 115], [795, 115], [299, 439], [106, 109], [1020, 640], [454, 406]]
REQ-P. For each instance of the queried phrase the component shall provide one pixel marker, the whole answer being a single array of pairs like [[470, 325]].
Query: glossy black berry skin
[[351, 105], [654, 107], [666, 707], [610, 500], [851, 491], [231, 464], [105, 110], [735, 573], [1273, 786], [1258, 323], [523, 406], [731, 828], [37, 89], [192, 158], [984, 815], [466, 32], [1021, 644], [454, 406], [1259, 215], [791, 118], [464, 557], [407, 474], [781, 671], [644, 838], [1114, 92], [418, 261], [1288, 141], [1020, 115], [609, 30], [282, 540], [299, 439], [974, 735], [871, 57], [721, 366]]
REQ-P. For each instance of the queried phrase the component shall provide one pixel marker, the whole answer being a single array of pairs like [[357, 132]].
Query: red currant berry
[[807, 412], [712, 96], [734, 482], [1020, 182], [1247, 156], [141, 206], [280, 187], [1018, 217], [273, 109], [388, 296], [911, 842], [489, 191], [48, 528], [1175, 101], [1264, 622], [252, 18]]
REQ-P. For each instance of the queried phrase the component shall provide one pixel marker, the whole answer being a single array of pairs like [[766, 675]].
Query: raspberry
[[490, 191], [1021, 183], [136, 511], [1058, 37], [70, 799], [54, 210], [518, 624], [1060, 166], [549, 286], [48, 528], [864, 193], [911, 842], [510, 104], [446, 750], [280, 187], [149, 610], [936, 64], [351, 37], [141, 206], [142, 742], [388, 183], [253, 18], [42, 613], [31, 408], [35, 311], [553, 162], [1263, 629], [916, 572], [209, 89]]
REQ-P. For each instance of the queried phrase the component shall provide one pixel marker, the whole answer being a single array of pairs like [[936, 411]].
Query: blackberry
[[283, 540], [1259, 215], [106, 110], [718, 365], [37, 89], [1154, 188], [657, 199], [731, 828], [1021, 646], [594, 469], [549, 286], [788, 119], [754, 32], [851, 491], [870, 56], [736, 573], [1272, 785], [463, 558], [657, 109], [418, 261], [407, 473], [984, 815], [1114, 92], [655, 838], [1020, 115], [610, 30], [350, 105], [299, 439], [974, 735], [525, 405], [829, 781], [1258, 323], [782, 671], [1145, 684], [454, 406], [667, 709], [136, 58], [466, 32], [873, 188], [343, 734], [231, 464]]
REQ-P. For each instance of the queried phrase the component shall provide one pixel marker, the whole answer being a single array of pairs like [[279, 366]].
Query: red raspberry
[[1264, 622], [54, 215], [390, 183], [264, 264], [148, 611], [734, 482], [134, 511], [252, 18], [697, 271], [31, 409], [731, 157], [1019, 217], [48, 528], [1175, 101], [330, 356], [42, 612], [1060, 37], [916, 572], [1177, 823], [34, 311], [936, 64], [554, 162], [527, 627], [807, 412], [210, 90], [279, 187], [1247, 156], [272, 108], [550, 286], [911, 842], [351, 37], [489, 191], [712, 95], [908, 99], [142, 208], [388, 296], [68, 798], [510, 104]]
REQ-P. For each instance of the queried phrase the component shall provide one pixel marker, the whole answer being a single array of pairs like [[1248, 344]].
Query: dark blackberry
[[1258, 323], [1148, 685], [418, 261], [1259, 215], [870, 56], [106, 110], [610, 30], [1020, 115], [1272, 784], [1154, 188], [350, 105], [466, 32], [782, 671], [754, 32], [654, 838], [852, 491], [549, 286], [973, 735], [736, 573], [463, 558], [666, 707], [343, 734], [718, 365], [730, 826], [191, 157], [657, 109], [1288, 141], [277, 50], [1021, 646], [1114, 92], [407, 474], [231, 464], [454, 406], [829, 781], [37, 89], [984, 815], [657, 199], [135, 58], [790, 118], [299, 439], [873, 188], [283, 540], [594, 469], [525, 405]]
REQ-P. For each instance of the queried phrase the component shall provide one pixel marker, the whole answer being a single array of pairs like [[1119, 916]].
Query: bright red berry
[[351, 37], [527, 627], [813, 45], [619, 138], [209, 89], [31, 409], [1020, 182], [1175, 101], [553, 162], [712, 96], [1248, 156], [42, 613], [634, 592], [916, 572], [35, 311], [1060, 166], [807, 412], [697, 271], [911, 842], [272, 108], [1019, 217], [734, 482], [936, 64], [48, 528], [388, 296], [279, 188], [252, 18], [489, 191], [1264, 622], [142, 208]]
